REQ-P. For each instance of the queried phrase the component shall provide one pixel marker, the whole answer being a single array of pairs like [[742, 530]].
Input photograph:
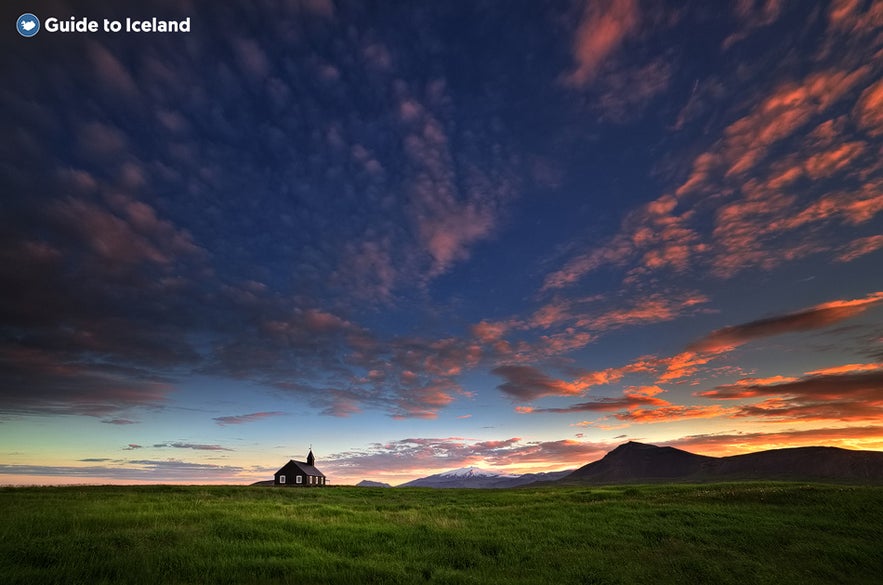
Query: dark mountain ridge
[[634, 462]]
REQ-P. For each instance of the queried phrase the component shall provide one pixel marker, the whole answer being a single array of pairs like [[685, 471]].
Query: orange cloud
[[815, 317], [673, 413], [845, 369], [860, 247], [683, 365], [867, 437], [868, 111], [827, 163]]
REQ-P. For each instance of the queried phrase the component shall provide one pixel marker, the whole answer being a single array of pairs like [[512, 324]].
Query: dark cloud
[[848, 396], [628, 401], [526, 383]]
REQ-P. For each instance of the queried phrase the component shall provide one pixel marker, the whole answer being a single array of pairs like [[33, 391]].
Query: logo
[[27, 25]]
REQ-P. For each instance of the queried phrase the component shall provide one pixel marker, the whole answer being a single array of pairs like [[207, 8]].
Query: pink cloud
[[111, 73], [102, 142], [251, 58], [605, 26], [752, 16]]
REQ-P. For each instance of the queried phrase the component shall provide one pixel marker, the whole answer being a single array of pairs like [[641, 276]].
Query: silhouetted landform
[[265, 483], [474, 477], [369, 483], [639, 463]]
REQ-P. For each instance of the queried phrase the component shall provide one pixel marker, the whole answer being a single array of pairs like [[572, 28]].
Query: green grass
[[717, 533]]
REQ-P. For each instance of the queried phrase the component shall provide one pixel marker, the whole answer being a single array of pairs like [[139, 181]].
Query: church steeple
[[310, 459]]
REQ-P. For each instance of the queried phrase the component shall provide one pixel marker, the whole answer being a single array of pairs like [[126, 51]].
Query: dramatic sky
[[421, 235]]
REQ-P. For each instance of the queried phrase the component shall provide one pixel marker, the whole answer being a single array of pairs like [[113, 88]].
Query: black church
[[299, 474]]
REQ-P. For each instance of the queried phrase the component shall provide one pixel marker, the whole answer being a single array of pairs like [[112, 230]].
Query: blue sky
[[423, 235]]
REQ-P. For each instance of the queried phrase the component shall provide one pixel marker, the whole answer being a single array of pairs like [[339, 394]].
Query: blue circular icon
[[27, 25]]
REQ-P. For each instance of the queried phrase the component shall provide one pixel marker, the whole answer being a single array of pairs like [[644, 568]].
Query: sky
[[415, 236]]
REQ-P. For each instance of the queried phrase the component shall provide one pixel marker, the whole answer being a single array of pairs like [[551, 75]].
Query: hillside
[[635, 462]]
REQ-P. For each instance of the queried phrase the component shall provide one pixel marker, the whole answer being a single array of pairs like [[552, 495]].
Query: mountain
[[369, 483], [636, 462], [475, 477]]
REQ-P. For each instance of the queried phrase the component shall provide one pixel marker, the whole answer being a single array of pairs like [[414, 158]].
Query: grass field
[[720, 533]]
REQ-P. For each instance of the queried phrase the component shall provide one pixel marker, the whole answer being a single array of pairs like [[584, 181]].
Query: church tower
[[310, 459]]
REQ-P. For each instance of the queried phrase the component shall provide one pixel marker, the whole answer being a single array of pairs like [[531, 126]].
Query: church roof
[[293, 465]]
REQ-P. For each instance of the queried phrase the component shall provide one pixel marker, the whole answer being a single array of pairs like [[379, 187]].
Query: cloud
[[853, 395], [56, 386], [143, 470], [842, 369], [860, 247], [120, 421], [110, 72], [632, 398], [623, 94], [816, 317], [752, 16], [132, 447], [251, 58], [604, 28], [527, 383], [672, 413], [409, 458], [683, 365], [246, 418], [766, 175], [732, 443], [866, 384], [196, 446]]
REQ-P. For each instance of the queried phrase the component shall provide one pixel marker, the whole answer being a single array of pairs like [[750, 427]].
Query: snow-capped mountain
[[472, 472], [475, 477]]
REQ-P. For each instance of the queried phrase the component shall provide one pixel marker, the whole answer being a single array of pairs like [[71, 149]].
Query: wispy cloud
[[196, 446], [246, 418], [136, 470]]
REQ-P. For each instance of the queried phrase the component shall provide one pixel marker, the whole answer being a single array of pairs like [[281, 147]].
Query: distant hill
[[475, 477], [636, 462], [264, 483], [369, 483]]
